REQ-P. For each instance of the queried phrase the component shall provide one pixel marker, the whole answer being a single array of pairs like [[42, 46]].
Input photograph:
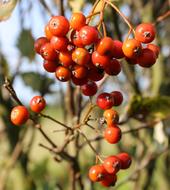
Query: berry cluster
[[20, 114], [105, 173], [74, 50], [139, 50]]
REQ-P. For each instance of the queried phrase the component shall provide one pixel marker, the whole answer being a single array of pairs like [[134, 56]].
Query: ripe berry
[[112, 134], [154, 48], [50, 66], [147, 58], [59, 43], [81, 56], [112, 164], [48, 53], [95, 74], [88, 35], [97, 173], [105, 101], [39, 43], [117, 49], [101, 61], [79, 71], [105, 46], [78, 20], [131, 48], [113, 68], [19, 115], [59, 26], [111, 116], [77, 81], [37, 104], [47, 32], [109, 180], [75, 39], [63, 74], [89, 89], [125, 159], [118, 97], [145, 32], [65, 58]]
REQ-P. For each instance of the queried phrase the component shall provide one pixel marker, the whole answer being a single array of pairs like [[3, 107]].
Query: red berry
[[105, 46], [97, 173], [65, 59], [63, 74], [118, 97], [39, 43], [50, 66], [145, 32], [19, 115], [77, 81], [48, 53], [112, 134], [75, 39], [101, 61], [81, 56], [125, 159], [88, 35], [105, 101], [37, 104], [79, 71], [131, 48], [95, 74], [117, 49], [78, 20], [154, 48], [147, 58], [48, 34], [59, 26], [132, 61], [109, 180], [111, 116], [89, 89], [114, 67], [112, 164], [59, 43]]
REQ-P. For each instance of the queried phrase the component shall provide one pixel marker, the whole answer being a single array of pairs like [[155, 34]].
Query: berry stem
[[162, 17], [121, 14], [88, 112]]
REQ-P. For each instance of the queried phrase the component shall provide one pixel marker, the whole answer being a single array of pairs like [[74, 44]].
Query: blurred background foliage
[[146, 93]]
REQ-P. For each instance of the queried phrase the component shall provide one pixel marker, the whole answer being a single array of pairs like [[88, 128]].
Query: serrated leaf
[[6, 8], [25, 44], [149, 107], [37, 82]]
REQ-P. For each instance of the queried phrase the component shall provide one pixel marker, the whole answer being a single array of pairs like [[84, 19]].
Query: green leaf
[[25, 44], [37, 82], [149, 107], [6, 8]]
